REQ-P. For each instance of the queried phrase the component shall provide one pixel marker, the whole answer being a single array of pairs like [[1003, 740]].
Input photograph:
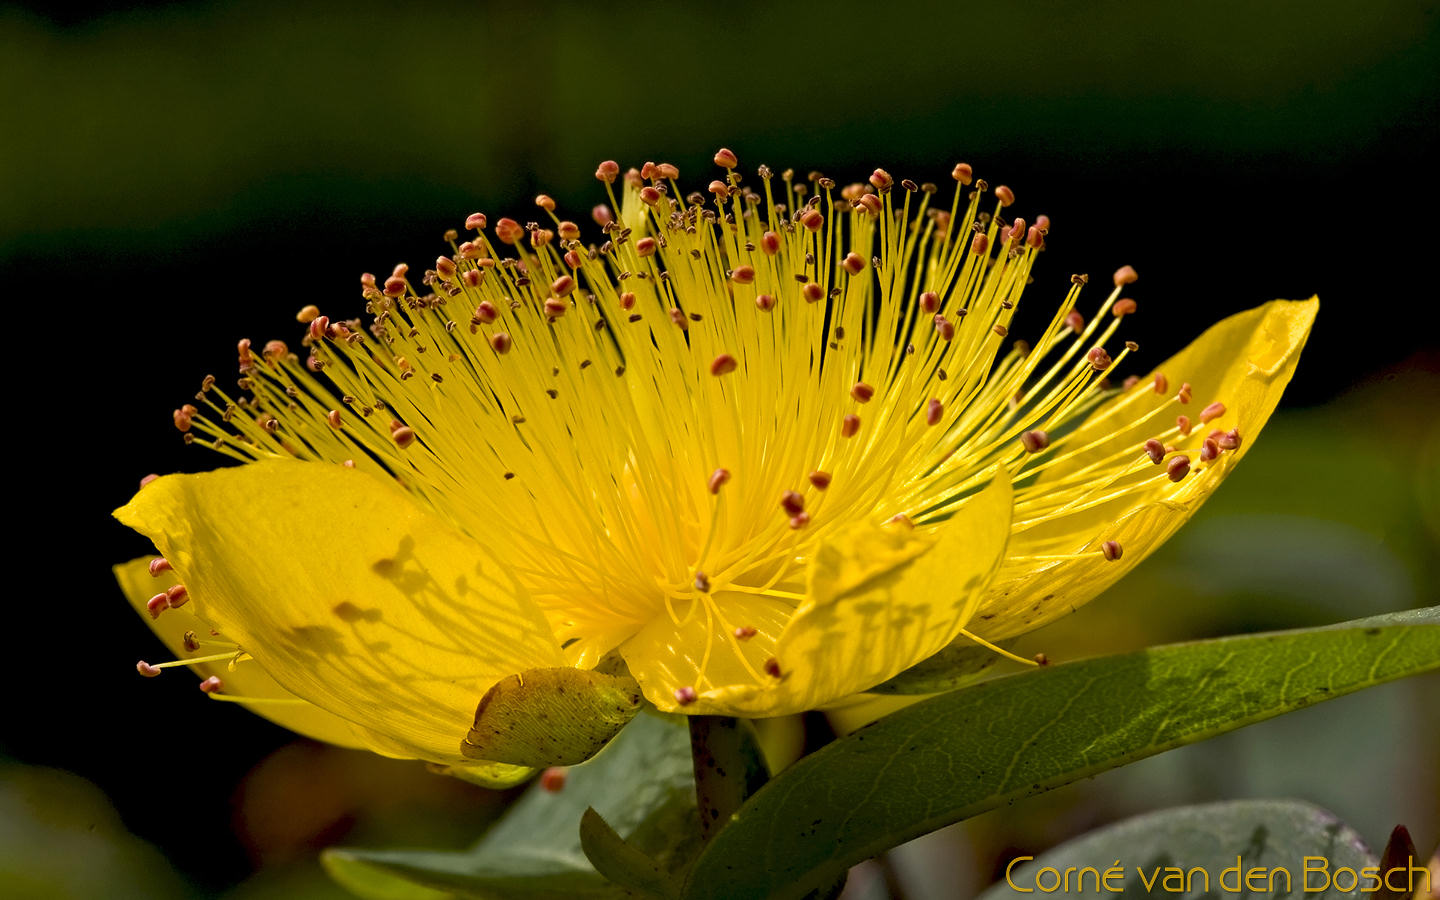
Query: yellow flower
[[767, 448]]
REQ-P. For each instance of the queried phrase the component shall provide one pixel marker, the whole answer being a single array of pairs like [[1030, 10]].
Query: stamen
[[1155, 450], [1211, 412], [1035, 440], [1178, 467], [999, 650], [718, 479]]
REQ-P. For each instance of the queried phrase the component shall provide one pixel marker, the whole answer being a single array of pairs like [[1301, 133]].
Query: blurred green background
[[174, 176]]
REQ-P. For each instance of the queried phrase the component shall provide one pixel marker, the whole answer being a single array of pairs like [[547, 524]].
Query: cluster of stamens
[[694, 402]]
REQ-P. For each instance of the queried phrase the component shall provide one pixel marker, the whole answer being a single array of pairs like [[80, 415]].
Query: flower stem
[[729, 767]]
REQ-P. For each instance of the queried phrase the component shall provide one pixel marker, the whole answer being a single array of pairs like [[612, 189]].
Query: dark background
[[175, 176]]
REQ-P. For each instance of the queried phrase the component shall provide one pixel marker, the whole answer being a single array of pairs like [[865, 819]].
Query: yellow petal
[[1244, 361], [247, 679], [879, 601], [348, 594]]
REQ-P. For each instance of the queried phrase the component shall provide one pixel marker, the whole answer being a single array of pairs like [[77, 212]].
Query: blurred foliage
[[195, 117], [60, 839]]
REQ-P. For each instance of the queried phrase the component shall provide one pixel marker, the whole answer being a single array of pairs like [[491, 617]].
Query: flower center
[[682, 413]]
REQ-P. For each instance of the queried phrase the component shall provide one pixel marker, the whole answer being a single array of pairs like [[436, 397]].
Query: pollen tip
[[157, 565], [157, 604], [1042, 660], [723, 364], [745, 632], [685, 695], [1112, 550], [1005, 195], [212, 685], [934, 411], [849, 425], [1230, 440], [1155, 450], [607, 171], [820, 480], [552, 780], [1035, 440], [902, 521], [177, 596], [1211, 412], [799, 521], [963, 173], [1183, 423], [1178, 467], [149, 671], [717, 479], [726, 159], [702, 582], [1125, 275], [1123, 307], [772, 667], [792, 503], [862, 392]]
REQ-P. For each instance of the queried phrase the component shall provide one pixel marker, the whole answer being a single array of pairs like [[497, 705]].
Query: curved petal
[[247, 679], [1244, 361], [702, 652], [348, 594], [879, 601]]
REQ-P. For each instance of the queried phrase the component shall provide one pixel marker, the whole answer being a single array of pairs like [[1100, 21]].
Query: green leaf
[[959, 754], [620, 862], [1226, 841], [642, 783]]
